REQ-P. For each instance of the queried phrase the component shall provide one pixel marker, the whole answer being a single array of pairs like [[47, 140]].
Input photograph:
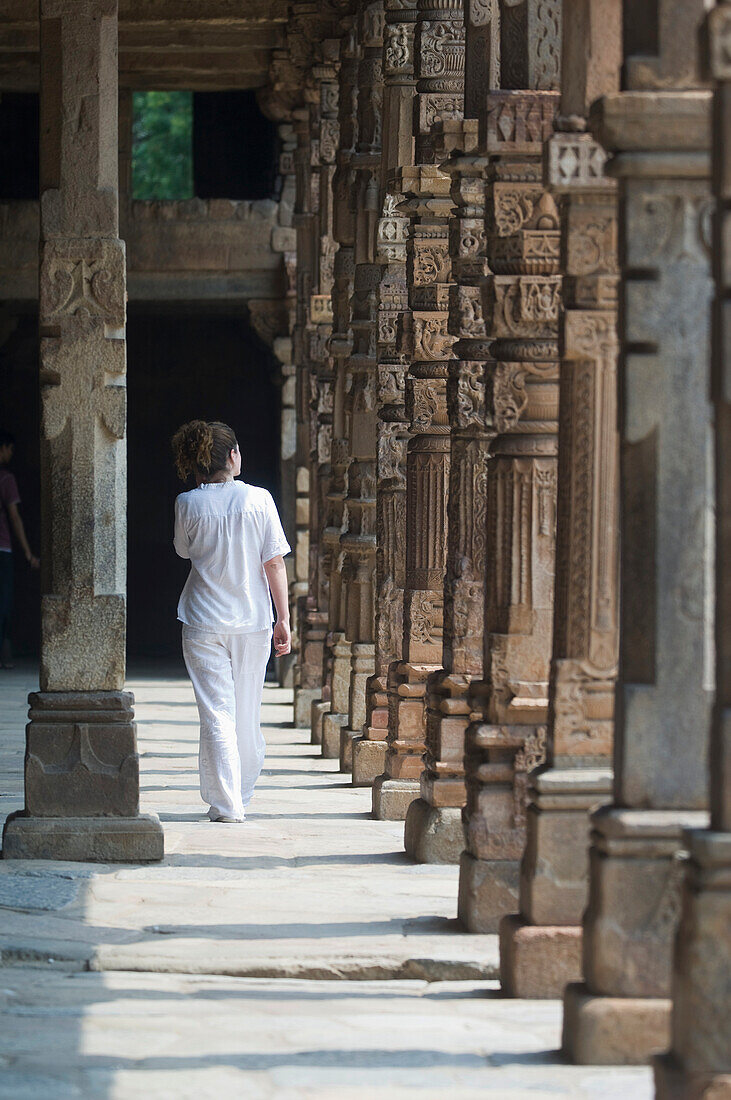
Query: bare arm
[[19, 529], [276, 572]]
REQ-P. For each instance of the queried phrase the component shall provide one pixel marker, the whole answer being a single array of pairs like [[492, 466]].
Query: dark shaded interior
[[185, 364], [182, 363], [19, 155], [20, 414], [234, 147]]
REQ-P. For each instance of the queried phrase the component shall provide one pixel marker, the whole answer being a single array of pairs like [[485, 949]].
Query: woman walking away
[[232, 534]]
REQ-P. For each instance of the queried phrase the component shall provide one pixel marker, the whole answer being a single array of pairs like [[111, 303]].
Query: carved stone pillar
[[660, 144], [81, 764], [540, 950], [359, 539], [521, 303], [369, 751], [440, 81], [324, 132], [434, 830], [304, 221], [332, 714], [698, 1065]]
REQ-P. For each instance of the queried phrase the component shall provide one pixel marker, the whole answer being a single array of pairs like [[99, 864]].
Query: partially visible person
[[10, 520]]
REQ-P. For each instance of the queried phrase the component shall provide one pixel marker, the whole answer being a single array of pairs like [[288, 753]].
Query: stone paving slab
[[118, 1036], [310, 885]]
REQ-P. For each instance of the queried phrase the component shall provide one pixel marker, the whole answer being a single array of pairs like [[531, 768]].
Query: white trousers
[[227, 672]]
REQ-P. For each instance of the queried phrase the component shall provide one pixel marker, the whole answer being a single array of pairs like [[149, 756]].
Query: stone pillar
[[332, 715], [369, 751], [81, 765], [698, 1066], [304, 221], [440, 82], [434, 830], [660, 143], [521, 302], [323, 142], [359, 539], [540, 950]]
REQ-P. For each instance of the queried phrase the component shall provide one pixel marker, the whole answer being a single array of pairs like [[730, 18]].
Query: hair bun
[[202, 447], [192, 446]]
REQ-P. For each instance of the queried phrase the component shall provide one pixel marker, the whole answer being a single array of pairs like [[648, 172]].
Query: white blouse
[[228, 529]]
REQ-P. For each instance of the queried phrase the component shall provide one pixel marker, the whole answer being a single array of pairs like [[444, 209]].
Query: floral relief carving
[[399, 47], [509, 395], [431, 340], [71, 286], [442, 48], [423, 618], [431, 264], [526, 306]]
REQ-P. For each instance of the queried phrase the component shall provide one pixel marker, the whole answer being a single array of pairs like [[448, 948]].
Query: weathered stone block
[[613, 1031], [537, 961], [347, 737], [317, 717], [636, 872], [84, 839], [488, 891], [81, 757], [555, 867], [392, 797], [369, 760], [332, 724], [433, 834], [304, 698]]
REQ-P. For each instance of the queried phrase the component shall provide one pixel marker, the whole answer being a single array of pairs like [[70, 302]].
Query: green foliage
[[162, 145]]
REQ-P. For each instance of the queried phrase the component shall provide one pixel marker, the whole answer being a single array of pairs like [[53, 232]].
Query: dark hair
[[7, 439], [202, 447]]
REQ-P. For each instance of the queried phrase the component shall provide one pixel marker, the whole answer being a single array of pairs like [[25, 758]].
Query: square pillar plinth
[[433, 834], [620, 1015], [488, 891], [82, 783], [369, 760], [538, 961]]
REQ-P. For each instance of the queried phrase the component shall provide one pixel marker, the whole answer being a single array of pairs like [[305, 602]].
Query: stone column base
[[369, 760], [392, 797], [433, 834], [303, 700], [613, 1031], [331, 727], [84, 839], [488, 891], [318, 711], [673, 1082], [347, 737], [538, 961]]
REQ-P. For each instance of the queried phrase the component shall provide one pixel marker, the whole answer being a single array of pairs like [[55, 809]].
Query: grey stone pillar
[[81, 766], [699, 1063], [659, 140], [540, 949]]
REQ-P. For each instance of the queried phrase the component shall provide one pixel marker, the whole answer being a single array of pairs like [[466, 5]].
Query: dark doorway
[[20, 414], [234, 147], [183, 365], [19, 113]]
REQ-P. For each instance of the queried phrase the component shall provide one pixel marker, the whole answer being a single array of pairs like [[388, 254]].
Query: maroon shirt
[[8, 495]]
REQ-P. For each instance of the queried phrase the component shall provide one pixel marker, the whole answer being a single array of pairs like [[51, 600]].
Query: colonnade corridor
[[300, 955]]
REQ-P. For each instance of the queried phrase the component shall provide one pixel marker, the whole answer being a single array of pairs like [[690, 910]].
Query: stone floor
[[297, 956]]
